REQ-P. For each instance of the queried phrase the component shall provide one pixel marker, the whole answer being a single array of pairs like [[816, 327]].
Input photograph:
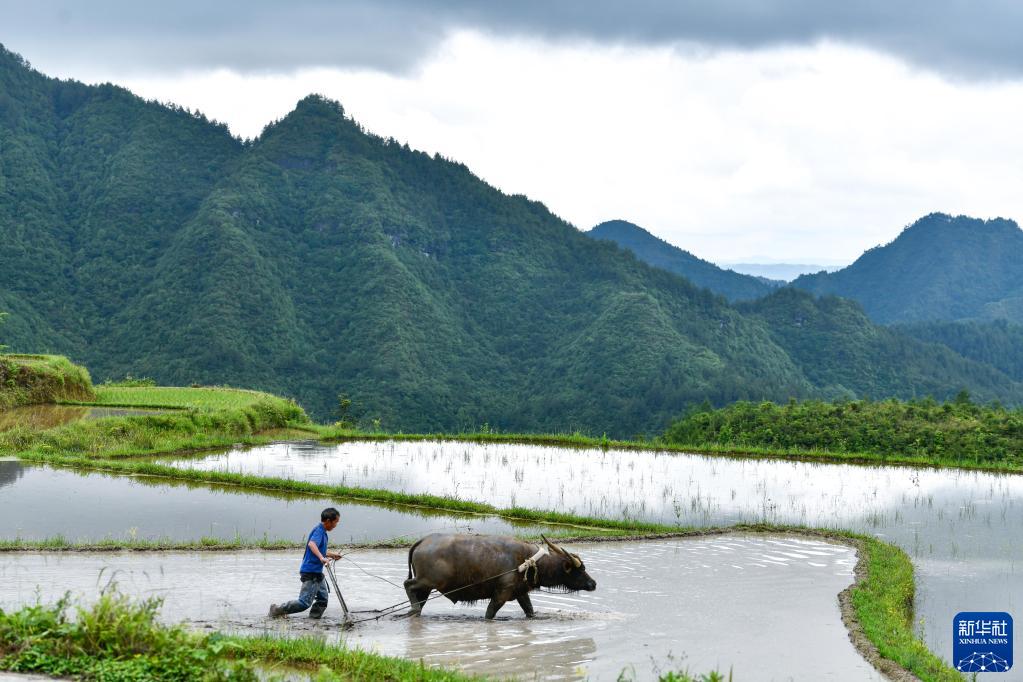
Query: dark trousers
[[313, 593]]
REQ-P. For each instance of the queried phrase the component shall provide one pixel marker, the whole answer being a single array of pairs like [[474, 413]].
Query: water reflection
[[40, 417], [40, 502], [10, 471], [964, 529]]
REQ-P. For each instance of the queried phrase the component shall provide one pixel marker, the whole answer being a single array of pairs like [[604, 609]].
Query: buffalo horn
[[554, 548]]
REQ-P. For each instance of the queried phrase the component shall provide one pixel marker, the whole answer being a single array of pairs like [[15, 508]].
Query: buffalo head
[[571, 571]]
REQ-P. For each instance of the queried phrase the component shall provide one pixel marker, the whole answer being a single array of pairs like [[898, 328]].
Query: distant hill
[[661, 254], [318, 259], [779, 272], [998, 343], [841, 352], [940, 268]]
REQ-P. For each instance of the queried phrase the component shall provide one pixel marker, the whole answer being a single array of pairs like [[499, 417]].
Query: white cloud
[[798, 153]]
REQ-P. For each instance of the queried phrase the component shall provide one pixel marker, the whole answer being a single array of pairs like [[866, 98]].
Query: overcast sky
[[742, 130]]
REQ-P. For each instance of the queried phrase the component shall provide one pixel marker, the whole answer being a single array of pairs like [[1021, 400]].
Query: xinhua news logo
[[982, 642]]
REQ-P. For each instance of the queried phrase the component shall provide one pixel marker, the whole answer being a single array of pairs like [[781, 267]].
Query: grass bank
[[33, 379], [958, 433], [138, 467], [716, 449], [878, 612], [210, 398], [213, 418]]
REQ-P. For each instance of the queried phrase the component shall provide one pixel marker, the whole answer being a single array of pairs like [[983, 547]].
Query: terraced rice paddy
[[177, 398], [721, 602], [95, 507], [962, 529]]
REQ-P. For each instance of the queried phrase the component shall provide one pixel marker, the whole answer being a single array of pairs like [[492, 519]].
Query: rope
[[394, 607], [378, 577], [529, 563]]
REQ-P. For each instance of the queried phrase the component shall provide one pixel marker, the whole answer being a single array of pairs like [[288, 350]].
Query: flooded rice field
[[40, 417], [721, 602], [964, 530], [94, 506]]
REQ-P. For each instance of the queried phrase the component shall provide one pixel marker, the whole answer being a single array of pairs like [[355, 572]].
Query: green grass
[[118, 639], [194, 429], [882, 600], [955, 433], [205, 398], [34, 379]]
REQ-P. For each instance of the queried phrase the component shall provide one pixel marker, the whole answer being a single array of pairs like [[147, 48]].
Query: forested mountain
[[940, 268], [998, 343], [846, 356], [661, 254], [318, 259]]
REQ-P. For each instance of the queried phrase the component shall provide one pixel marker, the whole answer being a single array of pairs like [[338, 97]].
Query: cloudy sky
[[799, 131]]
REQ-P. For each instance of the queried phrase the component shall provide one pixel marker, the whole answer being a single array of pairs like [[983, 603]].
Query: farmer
[[314, 589]]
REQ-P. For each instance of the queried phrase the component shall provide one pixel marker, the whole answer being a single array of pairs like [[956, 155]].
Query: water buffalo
[[471, 568]]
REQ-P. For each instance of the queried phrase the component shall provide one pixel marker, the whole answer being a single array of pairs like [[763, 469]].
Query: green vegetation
[[118, 639], [319, 259], [660, 254], [955, 433], [940, 268], [847, 357], [214, 419], [32, 379], [205, 398], [882, 600], [996, 343]]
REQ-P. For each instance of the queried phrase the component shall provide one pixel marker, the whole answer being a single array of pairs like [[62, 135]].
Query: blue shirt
[[310, 564]]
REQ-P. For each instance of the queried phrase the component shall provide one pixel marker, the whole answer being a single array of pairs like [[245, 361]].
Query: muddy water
[[766, 607], [95, 506], [964, 530], [39, 417]]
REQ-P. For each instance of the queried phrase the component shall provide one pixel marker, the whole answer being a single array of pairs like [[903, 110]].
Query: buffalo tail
[[410, 551]]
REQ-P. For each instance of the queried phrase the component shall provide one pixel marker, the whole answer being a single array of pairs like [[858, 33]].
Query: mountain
[[940, 268], [996, 343], [846, 356], [318, 259], [661, 254]]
